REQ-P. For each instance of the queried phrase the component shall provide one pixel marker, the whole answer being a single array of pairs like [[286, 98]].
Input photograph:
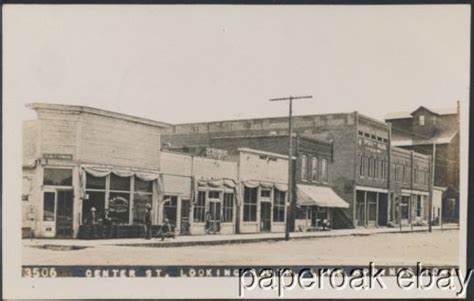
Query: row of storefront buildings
[[82, 165]]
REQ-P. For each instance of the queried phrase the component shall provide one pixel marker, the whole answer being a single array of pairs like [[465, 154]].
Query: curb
[[170, 244]]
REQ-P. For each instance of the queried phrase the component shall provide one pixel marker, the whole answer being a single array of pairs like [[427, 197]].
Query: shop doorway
[[265, 216], [383, 209], [171, 210], [215, 216], [185, 210], [58, 213]]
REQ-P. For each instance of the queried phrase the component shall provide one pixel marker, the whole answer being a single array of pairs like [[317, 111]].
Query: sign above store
[[58, 156], [215, 153]]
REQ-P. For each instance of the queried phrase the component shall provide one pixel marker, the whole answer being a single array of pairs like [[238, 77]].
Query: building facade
[[433, 131], [79, 162], [360, 156]]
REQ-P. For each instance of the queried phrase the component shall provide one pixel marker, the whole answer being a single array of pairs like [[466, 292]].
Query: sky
[[193, 63]]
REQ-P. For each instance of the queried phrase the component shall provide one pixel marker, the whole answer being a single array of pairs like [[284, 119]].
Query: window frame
[[198, 206], [314, 169], [324, 170], [278, 206], [249, 206], [304, 168], [226, 208]]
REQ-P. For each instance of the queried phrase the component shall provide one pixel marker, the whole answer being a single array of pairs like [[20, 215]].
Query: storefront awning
[[320, 196]]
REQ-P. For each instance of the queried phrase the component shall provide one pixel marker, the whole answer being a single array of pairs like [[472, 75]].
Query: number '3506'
[[39, 272]]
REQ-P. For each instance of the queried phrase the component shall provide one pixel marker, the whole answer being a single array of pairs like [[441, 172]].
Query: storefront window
[[171, 209], [119, 199], [228, 214], [250, 204], [418, 206], [48, 206], [57, 177], [279, 206], [95, 191], [200, 207], [119, 206], [143, 195]]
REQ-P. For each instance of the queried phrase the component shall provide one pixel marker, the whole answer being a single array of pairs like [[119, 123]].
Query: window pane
[[265, 193], [214, 194], [140, 200], [48, 207], [119, 206], [314, 172], [96, 200], [95, 182], [304, 167], [119, 183], [143, 186], [57, 177]]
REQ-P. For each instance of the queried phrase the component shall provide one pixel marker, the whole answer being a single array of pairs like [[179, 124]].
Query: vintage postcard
[[203, 151]]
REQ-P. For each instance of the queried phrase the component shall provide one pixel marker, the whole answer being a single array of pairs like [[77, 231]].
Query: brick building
[[360, 156], [314, 158], [77, 158], [423, 129]]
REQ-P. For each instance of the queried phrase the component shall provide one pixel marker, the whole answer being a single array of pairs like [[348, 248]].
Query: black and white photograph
[[278, 150]]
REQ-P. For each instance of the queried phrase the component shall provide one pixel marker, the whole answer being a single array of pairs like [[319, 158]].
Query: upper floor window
[[314, 169], [304, 167], [421, 120], [324, 170]]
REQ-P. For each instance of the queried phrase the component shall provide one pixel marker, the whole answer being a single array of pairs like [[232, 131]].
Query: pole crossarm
[[291, 98]]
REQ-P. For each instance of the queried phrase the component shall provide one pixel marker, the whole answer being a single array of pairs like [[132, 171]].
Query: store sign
[[58, 156], [215, 153], [118, 205], [373, 146]]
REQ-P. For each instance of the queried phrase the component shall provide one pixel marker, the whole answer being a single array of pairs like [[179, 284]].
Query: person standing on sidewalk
[[148, 221]]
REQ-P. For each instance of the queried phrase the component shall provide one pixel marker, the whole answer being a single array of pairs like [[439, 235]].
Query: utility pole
[[432, 167], [290, 159]]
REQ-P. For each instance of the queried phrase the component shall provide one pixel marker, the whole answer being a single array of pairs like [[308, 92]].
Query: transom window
[[57, 177], [265, 193]]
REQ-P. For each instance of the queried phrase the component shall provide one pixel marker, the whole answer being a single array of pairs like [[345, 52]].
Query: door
[[265, 216], [64, 202], [171, 210], [215, 211], [383, 209], [185, 210]]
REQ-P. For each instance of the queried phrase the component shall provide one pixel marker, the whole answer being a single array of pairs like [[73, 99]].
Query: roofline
[[84, 109], [271, 136], [423, 107], [259, 152], [261, 118]]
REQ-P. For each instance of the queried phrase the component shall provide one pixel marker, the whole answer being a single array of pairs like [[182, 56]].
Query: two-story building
[[433, 132], [79, 162], [360, 156]]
